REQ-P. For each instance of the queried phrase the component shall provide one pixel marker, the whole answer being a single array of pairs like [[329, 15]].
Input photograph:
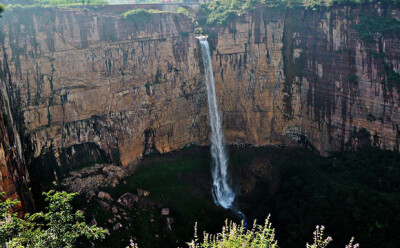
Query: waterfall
[[222, 193]]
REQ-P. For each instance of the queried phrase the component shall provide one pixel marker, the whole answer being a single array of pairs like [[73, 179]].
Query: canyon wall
[[88, 84], [298, 76], [14, 176]]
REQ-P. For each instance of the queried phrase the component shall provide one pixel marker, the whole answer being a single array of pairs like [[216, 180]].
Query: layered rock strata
[[88, 84]]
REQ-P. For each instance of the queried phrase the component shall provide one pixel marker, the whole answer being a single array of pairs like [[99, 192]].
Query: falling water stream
[[222, 192]]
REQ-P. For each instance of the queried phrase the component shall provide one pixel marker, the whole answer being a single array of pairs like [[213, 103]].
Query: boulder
[[143, 193], [117, 226], [114, 210], [104, 205], [93, 222], [170, 221], [105, 196], [128, 200], [165, 211]]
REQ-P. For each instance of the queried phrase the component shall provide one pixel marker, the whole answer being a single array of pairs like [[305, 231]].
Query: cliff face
[[307, 77], [14, 178], [94, 78], [88, 84]]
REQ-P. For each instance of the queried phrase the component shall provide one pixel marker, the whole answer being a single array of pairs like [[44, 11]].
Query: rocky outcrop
[[87, 83]]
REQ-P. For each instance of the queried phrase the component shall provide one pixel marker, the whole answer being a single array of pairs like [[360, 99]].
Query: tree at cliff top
[[58, 227]]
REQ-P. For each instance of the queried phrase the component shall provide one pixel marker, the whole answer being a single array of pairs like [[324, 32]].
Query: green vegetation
[[141, 16], [351, 193], [6, 119], [371, 29], [236, 236], [2, 8], [179, 182], [58, 227], [71, 2], [61, 2], [393, 78], [222, 12], [183, 11], [299, 189], [371, 25], [259, 236], [352, 78]]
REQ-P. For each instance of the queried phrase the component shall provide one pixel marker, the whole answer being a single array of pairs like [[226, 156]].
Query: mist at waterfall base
[[222, 192]]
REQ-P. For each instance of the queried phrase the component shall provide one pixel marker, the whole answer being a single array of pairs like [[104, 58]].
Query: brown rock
[[114, 210], [117, 226], [143, 193], [165, 211], [128, 200], [93, 222], [105, 196], [104, 205]]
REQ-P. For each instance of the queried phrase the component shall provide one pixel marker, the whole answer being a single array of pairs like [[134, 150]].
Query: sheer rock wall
[[87, 84]]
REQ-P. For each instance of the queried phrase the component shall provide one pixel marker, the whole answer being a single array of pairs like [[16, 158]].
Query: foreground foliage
[[234, 235], [260, 236], [59, 226]]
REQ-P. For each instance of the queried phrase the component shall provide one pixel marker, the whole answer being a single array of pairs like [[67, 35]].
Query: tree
[[2, 8], [58, 227]]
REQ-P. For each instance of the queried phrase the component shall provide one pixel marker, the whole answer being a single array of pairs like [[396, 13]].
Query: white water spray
[[222, 193]]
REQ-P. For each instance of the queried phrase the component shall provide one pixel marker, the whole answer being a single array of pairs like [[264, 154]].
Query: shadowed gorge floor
[[353, 194]]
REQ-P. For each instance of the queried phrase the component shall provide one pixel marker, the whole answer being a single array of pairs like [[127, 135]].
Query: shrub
[[140, 16], [58, 227], [368, 26], [352, 78], [183, 11], [2, 8], [5, 119], [260, 236], [235, 236]]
